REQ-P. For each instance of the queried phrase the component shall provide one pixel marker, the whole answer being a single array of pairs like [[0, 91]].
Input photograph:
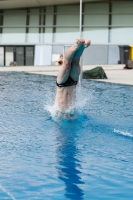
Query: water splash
[[125, 133], [49, 101], [81, 98], [8, 193], [77, 108]]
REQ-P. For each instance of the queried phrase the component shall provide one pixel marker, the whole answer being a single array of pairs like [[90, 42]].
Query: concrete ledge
[[115, 73]]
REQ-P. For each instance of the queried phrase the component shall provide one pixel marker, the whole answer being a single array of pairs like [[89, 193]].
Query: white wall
[[43, 55], [1, 56]]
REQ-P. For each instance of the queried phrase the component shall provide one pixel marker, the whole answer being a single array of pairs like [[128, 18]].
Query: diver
[[67, 79]]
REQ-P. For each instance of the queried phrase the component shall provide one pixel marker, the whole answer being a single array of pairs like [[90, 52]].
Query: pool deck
[[115, 73]]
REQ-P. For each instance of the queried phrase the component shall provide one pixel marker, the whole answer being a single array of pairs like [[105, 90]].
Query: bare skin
[[59, 61], [65, 96]]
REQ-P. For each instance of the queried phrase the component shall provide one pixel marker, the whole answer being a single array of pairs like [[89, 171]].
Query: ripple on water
[[86, 158]]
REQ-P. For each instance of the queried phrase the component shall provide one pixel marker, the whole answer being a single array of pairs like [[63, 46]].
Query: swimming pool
[[88, 158]]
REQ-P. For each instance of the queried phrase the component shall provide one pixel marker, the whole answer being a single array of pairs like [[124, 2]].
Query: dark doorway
[[29, 56], [17, 55]]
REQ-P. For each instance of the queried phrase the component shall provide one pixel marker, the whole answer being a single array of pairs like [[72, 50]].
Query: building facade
[[36, 35]]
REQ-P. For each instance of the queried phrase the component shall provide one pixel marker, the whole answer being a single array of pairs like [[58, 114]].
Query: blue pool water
[[85, 159]]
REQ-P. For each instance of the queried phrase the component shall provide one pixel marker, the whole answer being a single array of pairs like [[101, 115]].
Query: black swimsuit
[[69, 82]]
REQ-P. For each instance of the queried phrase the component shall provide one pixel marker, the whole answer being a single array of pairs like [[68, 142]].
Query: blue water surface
[[88, 158]]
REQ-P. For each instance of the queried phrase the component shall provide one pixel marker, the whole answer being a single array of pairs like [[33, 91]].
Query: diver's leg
[[66, 67], [75, 66]]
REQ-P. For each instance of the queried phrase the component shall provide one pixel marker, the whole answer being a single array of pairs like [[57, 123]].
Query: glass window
[[0, 19], [0, 37], [33, 35], [68, 9], [34, 20], [96, 7], [1, 24], [64, 35], [122, 7], [67, 15], [124, 20], [48, 35], [96, 20], [49, 20], [96, 35], [34, 11], [14, 18], [34, 17], [121, 35], [49, 9], [67, 20], [13, 35]]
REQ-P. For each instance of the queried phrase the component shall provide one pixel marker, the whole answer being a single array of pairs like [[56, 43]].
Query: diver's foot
[[87, 43], [78, 43], [82, 45]]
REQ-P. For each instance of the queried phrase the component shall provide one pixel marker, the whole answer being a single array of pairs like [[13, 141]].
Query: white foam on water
[[125, 133], [49, 102], [76, 109], [8, 193]]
